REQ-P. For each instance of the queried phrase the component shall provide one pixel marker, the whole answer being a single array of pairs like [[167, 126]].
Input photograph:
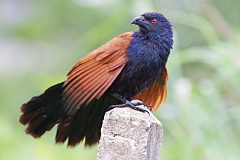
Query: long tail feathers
[[86, 123], [42, 112]]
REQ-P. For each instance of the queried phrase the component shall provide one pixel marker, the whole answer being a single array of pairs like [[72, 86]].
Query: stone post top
[[130, 134]]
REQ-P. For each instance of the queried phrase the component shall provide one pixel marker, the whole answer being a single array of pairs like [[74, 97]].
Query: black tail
[[86, 123], [42, 112]]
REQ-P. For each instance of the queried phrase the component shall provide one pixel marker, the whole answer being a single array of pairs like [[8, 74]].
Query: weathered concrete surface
[[128, 134]]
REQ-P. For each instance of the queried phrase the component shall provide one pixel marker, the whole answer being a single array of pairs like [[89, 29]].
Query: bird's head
[[153, 22]]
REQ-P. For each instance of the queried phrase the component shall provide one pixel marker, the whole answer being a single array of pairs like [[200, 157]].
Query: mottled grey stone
[[128, 134]]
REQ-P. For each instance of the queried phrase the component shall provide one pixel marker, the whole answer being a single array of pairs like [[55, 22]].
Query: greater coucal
[[130, 66]]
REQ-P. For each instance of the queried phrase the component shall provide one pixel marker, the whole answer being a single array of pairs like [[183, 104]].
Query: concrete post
[[128, 134]]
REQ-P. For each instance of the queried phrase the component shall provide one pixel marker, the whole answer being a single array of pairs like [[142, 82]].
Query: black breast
[[145, 64]]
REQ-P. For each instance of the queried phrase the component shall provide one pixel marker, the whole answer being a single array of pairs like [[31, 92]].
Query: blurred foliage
[[40, 40]]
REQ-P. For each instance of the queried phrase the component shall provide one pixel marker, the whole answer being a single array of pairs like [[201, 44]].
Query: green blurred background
[[41, 39]]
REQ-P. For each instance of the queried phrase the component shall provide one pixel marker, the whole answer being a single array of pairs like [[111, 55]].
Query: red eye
[[154, 21]]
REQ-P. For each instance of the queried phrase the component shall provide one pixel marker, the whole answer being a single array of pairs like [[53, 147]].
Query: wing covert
[[91, 76]]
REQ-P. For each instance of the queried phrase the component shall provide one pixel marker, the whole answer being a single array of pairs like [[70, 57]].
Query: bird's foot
[[139, 102], [132, 104]]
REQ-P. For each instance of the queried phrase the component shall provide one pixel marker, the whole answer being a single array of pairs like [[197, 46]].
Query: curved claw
[[132, 105], [139, 102]]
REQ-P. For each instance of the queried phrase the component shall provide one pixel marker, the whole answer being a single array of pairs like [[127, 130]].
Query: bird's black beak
[[138, 20]]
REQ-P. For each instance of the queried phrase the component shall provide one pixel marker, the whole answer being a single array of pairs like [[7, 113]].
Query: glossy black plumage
[[130, 65]]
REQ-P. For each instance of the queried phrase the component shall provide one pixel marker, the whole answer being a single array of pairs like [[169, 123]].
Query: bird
[[130, 66]]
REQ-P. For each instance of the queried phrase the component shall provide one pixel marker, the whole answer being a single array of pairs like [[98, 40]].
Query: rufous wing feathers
[[90, 77], [155, 94]]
